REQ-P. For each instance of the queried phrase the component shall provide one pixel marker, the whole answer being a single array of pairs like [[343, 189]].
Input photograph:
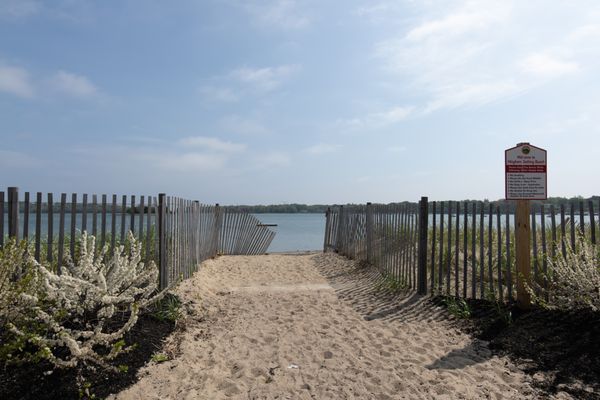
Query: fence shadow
[[364, 288], [473, 353]]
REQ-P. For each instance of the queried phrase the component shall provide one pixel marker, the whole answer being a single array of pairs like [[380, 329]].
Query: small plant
[[499, 308], [85, 390], [122, 368], [391, 284], [167, 309], [159, 357], [457, 307]]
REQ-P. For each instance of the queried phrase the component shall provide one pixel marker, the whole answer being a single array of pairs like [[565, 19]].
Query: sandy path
[[310, 327]]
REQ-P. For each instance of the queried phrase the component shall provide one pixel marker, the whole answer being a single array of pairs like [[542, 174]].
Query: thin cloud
[[322, 148], [212, 144], [396, 149], [220, 94], [466, 94], [73, 84], [547, 66], [461, 57], [243, 126], [192, 162], [16, 81], [264, 79], [453, 24], [380, 119], [16, 159], [282, 14], [274, 159], [19, 8]]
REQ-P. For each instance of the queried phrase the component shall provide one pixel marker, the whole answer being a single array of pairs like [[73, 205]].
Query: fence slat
[[73, 222], [141, 220], [441, 256], [50, 238], [490, 249], [26, 217], [473, 254], [113, 224], [94, 215], [572, 227], [2, 218], [162, 248], [449, 256], [61, 232], [592, 221], [465, 249], [148, 227], [38, 225], [456, 242], [103, 223], [481, 252], [13, 212], [498, 222], [123, 221], [433, 238], [563, 228], [544, 249], [132, 217], [84, 213]]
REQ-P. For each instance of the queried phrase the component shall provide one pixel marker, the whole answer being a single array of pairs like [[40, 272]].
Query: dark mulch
[[29, 382], [561, 349]]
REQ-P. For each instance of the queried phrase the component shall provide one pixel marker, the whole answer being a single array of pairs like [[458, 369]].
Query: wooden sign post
[[525, 169], [522, 254]]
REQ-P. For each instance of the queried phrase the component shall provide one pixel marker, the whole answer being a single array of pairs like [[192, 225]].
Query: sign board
[[525, 169]]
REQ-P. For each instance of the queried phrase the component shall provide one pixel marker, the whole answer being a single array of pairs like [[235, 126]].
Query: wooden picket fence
[[464, 249], [177, 234]]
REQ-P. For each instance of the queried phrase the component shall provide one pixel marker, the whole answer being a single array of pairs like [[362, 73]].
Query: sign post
[[525, 179]]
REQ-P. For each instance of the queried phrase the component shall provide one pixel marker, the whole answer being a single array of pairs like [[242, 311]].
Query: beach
[[317, 326]]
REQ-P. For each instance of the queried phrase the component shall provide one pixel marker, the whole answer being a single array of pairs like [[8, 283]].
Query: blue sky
[[250, 102]]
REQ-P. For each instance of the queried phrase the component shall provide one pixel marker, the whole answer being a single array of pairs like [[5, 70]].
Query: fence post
[[338, 245], [217, 230], [327, 227], [13, 212], [422, 261], [369, 233], [162, 245]]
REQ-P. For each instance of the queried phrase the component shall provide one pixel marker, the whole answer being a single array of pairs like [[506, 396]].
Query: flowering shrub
[[75, 313], [573, 279], [18, 280]]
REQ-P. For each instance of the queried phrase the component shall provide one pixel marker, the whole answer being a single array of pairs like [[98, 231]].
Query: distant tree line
[[296, 208], [322, 208], [282, 208]]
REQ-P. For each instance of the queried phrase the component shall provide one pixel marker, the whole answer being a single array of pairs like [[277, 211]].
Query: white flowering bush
[[83, 314], [573, 279], [18, 280]]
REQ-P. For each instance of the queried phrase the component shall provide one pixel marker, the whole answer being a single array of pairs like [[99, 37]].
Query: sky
[[283, 101]]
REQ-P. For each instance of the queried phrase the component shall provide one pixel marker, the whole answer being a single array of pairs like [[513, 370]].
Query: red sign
[[525, 173]]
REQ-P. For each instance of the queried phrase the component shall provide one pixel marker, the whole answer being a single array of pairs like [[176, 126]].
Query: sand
[[315, 326]]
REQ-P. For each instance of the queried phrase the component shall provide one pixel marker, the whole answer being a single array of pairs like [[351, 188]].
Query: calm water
[[295, 231]]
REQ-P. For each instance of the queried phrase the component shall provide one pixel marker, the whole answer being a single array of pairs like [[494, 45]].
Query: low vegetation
[[573, 279], [81, 319]]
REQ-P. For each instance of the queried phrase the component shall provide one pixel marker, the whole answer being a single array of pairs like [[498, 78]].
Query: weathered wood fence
[[464, 249], [175, 233]]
